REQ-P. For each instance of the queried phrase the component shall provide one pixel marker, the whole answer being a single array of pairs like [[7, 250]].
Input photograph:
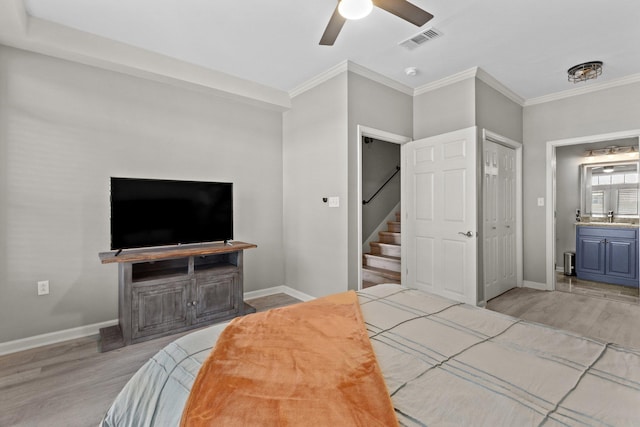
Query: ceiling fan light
[[355, 9]]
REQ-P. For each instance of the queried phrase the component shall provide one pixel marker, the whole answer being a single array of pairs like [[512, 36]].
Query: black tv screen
[[153, 212]]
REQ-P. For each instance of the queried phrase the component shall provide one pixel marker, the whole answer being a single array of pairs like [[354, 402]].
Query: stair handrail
[[364, 202]]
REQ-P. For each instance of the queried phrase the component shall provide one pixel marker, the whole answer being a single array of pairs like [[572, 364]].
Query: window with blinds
[[597, 202], [612, 190], [627, 201]]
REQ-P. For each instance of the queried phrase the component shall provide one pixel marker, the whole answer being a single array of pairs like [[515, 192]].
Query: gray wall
[[380, 107], [379, 161], [497, 113], [568, 160], [315, 166], [66, 128], [445, 109], [320, 160], [608, 110]]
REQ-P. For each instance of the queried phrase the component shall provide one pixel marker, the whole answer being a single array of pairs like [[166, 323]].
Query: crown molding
[[354, 68], [22, 31], [454, 78], [475, 72], [320, 78], [634, 78], [495, 84], [379, 78]]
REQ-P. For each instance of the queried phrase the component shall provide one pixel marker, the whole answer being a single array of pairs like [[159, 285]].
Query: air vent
[[421, 38]]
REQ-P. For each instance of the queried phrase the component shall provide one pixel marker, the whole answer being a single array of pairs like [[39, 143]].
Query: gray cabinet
[[157, 308], [165, 291], [607, 254]]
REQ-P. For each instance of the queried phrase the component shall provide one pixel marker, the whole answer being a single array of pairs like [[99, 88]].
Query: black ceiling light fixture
[[586, 71]]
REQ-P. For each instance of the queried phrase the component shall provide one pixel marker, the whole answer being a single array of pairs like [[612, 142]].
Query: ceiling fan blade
[[333, 29], [405, 10]]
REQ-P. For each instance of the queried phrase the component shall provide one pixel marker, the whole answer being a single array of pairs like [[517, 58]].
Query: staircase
[[382, 264]]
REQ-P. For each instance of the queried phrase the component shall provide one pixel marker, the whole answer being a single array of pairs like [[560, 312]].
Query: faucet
[[610, 216]]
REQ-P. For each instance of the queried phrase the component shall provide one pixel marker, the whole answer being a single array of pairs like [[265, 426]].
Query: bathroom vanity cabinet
[[607, 254]]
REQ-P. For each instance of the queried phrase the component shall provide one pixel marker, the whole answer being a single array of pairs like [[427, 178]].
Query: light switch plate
[[540, 201], [334, 202]]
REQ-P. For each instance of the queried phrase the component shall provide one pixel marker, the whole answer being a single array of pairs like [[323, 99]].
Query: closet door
[[499, 212]]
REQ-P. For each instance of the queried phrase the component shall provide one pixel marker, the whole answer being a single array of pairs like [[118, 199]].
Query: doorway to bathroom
[[594, 216]]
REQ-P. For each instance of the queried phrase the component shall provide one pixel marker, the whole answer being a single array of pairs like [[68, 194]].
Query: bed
[[443, 362]]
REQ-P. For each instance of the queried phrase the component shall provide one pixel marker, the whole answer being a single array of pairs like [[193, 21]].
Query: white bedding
[[444, 363]]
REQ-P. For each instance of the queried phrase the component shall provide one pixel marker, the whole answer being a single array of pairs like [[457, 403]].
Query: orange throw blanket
[[310, 364]]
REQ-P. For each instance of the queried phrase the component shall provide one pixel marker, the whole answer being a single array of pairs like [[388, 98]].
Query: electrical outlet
[[43, 287]]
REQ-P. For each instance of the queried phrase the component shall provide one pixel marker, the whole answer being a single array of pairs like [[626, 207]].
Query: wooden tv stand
[[172, 289]]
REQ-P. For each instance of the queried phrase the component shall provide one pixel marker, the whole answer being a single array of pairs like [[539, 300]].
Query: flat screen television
[[155, 212]]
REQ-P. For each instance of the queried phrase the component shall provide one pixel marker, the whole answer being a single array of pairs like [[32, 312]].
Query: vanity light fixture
[[585, 71], [607, 169], [610, 150]]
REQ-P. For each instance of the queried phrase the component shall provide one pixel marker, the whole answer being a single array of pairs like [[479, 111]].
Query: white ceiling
[[526, 45]]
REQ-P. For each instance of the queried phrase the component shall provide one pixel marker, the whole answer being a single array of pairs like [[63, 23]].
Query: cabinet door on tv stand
[[216, 296], [159, 308]]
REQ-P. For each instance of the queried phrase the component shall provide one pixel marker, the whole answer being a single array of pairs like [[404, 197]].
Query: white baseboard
[[278, 290], [535, 285], [54, 337], [88, 330]]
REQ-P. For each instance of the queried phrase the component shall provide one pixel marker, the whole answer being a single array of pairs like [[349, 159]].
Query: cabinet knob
[[194, 303], [189, 304]]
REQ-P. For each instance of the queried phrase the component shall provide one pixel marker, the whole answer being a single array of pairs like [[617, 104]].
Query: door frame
[[551, 190], [487, 135], [385, 136]]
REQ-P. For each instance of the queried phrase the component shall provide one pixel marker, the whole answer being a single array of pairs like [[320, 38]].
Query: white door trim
[[382, 135], [551, 190], [517, 146]]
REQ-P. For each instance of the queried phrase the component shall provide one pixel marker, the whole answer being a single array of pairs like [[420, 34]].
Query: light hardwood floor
[[597, 289], [71, 384], [596, 317]]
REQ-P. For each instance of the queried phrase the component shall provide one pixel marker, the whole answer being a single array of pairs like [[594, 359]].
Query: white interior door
[[499, 213], [440, 236]]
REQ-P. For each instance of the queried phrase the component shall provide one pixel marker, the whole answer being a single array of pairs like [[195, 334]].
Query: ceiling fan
[[356, 9]]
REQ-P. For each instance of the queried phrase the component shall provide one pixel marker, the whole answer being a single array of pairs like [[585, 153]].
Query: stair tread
[[383, 244], [395, 233], [390, 257], [366, 284], [383, 272]]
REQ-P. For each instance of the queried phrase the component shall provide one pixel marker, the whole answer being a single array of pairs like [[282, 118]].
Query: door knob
[[468, 233]]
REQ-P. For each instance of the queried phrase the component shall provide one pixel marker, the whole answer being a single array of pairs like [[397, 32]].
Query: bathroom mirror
[[609, 186]]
